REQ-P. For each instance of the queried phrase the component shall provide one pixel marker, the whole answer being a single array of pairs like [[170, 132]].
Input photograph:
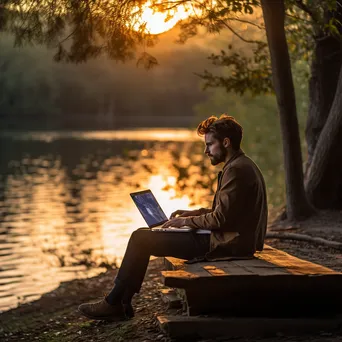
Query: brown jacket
[[238, 217]]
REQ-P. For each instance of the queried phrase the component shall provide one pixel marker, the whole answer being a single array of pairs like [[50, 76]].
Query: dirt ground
[[54, 317]]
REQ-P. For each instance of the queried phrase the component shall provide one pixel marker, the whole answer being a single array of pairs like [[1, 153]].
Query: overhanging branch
[[306, 9]]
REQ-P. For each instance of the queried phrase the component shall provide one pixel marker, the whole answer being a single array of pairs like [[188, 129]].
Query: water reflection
[[133, 135], [65, 209], [65, 203]]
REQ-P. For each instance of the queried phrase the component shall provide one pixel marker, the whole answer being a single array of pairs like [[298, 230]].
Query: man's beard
[[215, 160]]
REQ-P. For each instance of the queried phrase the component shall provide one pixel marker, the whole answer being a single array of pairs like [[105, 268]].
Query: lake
[[65, 207]]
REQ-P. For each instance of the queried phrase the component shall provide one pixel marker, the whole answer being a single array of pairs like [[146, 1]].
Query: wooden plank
[[179, 265], [274, 283], [293, 264], [257, 262], [267, 271], [260, 267], [181, 274], [233, 270], [269, 257], [181, 278], [172, 263], [250, 303], [214, 271], [171, 298], [269, 263], [271, 282], [209, 327], [226, 266]]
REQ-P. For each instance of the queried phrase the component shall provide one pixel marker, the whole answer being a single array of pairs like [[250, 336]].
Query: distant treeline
[[38, 93]]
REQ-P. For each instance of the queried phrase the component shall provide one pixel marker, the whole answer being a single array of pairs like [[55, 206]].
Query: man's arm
[[186, 213], [229, 202], [204, 211]]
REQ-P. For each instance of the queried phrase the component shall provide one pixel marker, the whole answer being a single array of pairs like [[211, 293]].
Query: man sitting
[[237, 221]]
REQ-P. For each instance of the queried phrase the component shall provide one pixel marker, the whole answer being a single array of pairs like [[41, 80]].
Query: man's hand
[[185, 213], [175, 222]]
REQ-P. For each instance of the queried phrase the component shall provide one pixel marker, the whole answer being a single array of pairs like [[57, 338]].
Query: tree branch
[[237, 34], [306, 9], [306, 238], [298, 18], [247, 22]]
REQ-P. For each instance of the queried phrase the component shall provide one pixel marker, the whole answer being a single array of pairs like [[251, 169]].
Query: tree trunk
[[3, 13], [323, 184], [325, 66], [297, 203], [325, 70]]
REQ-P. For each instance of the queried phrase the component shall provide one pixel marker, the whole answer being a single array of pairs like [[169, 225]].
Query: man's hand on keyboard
[[185, 213], [177, 222]]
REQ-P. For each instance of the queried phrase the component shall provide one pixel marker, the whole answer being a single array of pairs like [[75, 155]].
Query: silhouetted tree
[[296, 200]]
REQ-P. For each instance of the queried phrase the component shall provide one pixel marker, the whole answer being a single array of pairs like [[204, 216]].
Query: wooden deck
[[273, 284]]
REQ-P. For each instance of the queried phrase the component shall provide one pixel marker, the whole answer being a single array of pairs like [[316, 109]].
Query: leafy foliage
[[80, 30], [245, 73], [304, 21]]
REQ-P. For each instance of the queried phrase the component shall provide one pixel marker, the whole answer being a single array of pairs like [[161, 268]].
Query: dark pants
[[143, 243]]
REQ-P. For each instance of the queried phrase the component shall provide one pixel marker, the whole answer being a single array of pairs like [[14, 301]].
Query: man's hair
[[223, 127]]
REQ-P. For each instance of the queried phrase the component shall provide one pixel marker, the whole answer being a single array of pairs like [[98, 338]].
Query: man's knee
[[140, 234], [140, 240]]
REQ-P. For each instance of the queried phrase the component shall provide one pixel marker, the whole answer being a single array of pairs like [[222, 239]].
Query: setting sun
[[158, 22]]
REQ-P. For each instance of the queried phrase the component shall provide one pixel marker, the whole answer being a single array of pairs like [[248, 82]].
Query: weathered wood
[[293, 264], [272, 301], [274, 282], [181, 327], [268, 258], [267, 278], [171, 298], [214, 271], [172, 263], [257, 262], [234, 270]]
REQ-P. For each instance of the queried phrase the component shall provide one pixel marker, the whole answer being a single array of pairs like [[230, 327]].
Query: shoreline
[[54, 316]]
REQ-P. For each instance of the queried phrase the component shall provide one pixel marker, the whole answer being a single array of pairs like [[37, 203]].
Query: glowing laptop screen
[[149, 208]]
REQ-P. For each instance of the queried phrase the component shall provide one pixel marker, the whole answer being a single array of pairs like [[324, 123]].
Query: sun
[[155, 22]]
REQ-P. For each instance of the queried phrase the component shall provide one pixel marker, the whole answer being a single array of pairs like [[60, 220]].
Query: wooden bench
[[273, 284], [269, 294]]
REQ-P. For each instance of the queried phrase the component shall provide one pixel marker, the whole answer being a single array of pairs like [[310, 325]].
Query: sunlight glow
[[166, 195], [155, 22], [116, 229]]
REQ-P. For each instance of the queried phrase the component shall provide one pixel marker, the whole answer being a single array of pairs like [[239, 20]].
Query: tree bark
[[325, 66], [298, 206], [323, 183], [325, 70]]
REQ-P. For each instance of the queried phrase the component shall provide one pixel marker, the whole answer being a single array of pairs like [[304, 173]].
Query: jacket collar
[[236, 155]]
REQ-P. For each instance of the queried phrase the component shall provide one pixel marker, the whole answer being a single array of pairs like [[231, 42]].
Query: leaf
[[248, 9], [147, 60]]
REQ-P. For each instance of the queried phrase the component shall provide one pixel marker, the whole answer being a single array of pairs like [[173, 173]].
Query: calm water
[[65, 209]]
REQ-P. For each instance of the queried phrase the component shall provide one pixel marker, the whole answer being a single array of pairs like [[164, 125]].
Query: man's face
[[214, 149]]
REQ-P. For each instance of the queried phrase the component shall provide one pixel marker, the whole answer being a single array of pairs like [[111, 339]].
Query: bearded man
[[237, 222]]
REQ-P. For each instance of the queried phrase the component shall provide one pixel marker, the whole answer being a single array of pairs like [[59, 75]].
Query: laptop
[[154, 215]]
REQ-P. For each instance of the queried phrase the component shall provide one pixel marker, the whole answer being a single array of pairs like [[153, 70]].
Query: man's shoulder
[[243, 167], [242, 162]]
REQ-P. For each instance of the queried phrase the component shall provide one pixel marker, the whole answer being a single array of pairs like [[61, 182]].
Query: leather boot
[[101, 310]]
